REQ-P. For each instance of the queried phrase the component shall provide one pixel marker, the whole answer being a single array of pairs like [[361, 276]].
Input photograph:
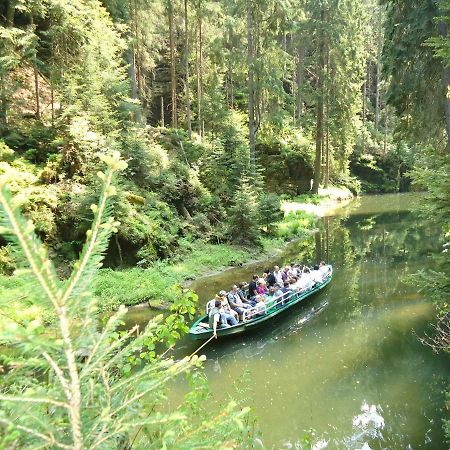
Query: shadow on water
[[346, 362]]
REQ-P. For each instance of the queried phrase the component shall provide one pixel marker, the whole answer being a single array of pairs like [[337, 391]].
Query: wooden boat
[[200, 329]]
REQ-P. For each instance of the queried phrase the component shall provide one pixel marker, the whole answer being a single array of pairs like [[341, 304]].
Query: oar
[[207, 342]]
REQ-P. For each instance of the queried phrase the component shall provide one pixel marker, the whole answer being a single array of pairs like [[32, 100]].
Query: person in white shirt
[[278, 276], [324, 269], [316, 275], [306, 281]]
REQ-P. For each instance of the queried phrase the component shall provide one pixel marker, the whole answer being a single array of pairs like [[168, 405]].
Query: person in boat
[[261, 288], [324, 269], [215, 318], [279, 296], [252, 292], [285, 274], [305, 282], [277, 276], [235, 301], [293, 284], [260, 307], [292, 272], [227, 308], [270, 299], [286, 290], [242, 296], [271, 278], [316, 275]]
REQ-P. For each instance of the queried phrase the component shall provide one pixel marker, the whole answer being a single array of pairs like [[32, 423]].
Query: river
[[347, 363]]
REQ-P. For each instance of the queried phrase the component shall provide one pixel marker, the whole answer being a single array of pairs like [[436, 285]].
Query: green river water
[[347, 362]]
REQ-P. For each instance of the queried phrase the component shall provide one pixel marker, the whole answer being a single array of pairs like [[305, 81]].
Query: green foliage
[[6, 154], [90, 397], [295, 224], [7, 264], [244, 215], [417, 95], [269, 209]]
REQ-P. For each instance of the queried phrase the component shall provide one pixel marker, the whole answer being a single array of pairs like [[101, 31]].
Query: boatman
[[215, 317]]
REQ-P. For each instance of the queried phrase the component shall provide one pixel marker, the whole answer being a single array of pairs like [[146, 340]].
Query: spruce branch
[[49, 439], [49, 401], [15, 225]]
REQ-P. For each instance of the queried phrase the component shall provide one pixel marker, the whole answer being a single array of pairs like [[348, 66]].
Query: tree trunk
[[251, 87], [200, 70], [36, 76], [443, 31], [378, 72], [162, 112], [10, 12], [4, 103], [186, 68], [320, 108], [36, 92], [132, 78], [327, 128], [300, 76], [364, 106], [133, 74], [52, 95], [173, 80]]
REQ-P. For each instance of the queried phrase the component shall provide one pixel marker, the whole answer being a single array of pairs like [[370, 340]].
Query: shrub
[[269, 209], [243, 216], [295, 224], [6, 154]]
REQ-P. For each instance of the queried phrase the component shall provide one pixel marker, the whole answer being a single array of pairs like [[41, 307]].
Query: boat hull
[[197, 332]]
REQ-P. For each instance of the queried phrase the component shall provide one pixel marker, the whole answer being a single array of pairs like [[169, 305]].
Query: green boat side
[[197, 332]]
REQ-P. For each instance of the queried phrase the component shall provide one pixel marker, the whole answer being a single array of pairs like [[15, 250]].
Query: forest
[[144, 143]]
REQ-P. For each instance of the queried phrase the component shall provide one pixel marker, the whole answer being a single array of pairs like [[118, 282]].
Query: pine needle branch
[[23, 232]]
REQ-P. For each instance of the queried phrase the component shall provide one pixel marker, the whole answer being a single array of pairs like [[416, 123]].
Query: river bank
[[158, 285]]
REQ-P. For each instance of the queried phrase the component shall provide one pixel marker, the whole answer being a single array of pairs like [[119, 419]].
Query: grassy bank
[[159, 284]]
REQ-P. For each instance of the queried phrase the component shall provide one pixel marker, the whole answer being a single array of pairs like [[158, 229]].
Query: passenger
[[226, 306], [316, 275], [270, 299], [215, 318], [294, 285], [277, 276], [226, 318], [324, 269], [261, 287], [292, 272], [260, 307], [297, 270], [242, 296], [285, 273], [252, 292], [278, 296], [272, 277], [305, 282], [236, 303], [287, 291]]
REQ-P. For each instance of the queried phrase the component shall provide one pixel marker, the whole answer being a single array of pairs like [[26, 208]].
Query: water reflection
[[345, 362]]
